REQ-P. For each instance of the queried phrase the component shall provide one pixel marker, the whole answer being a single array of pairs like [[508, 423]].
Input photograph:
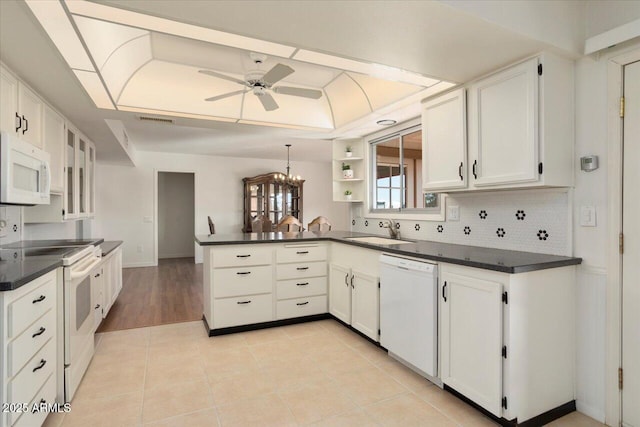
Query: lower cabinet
[[507, 340], [28, 342], [97, 295], [354, 296]]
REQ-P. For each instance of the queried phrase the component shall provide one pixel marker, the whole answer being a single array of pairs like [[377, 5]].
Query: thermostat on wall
[[589, 163]]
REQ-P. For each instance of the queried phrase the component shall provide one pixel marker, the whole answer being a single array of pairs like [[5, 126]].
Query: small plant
[[348, 192], [348, 149], [346, 167]]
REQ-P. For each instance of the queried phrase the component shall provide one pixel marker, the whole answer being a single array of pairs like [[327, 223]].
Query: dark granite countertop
[[471, 256], [15, 272], [58, 243], [109, 246]]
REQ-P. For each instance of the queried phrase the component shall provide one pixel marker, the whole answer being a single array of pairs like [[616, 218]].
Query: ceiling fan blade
[[222, 76], [268, 102], [277, 73], [297, 91], [226, 95]]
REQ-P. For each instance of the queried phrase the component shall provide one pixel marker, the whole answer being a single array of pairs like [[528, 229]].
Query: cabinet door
[[365, 304], [471, 339], [9, 121], [91, 180], [108, 284], [97, 296], [30, 110], [444, 143], [71, 175], [82, 149], [340, 292], [503, 127], [53, 143]]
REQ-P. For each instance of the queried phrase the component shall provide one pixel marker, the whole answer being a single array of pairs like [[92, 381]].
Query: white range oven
[[78, 308]]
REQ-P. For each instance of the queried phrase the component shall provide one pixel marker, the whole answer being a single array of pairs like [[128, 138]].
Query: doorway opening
[[176, 213]]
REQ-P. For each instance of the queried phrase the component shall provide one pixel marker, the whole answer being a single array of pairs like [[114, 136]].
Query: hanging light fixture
[[287, 178]]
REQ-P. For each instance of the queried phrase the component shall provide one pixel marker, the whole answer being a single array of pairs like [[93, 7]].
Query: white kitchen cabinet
[[471, 337], [91, 180], [444, 142], [354, 159], [354, 296], [20, 109], [53, 142], [507, 340], [97, 295], [520, 123], [112, 276], [340, 292], [71, 199], [28, 341]]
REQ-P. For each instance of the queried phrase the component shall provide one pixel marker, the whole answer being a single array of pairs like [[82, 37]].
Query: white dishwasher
[[408, 311]]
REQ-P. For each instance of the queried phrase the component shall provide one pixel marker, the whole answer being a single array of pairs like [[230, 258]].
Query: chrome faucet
[[394, 232]]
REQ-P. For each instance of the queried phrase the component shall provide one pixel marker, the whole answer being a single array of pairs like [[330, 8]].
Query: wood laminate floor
[[152, 296]]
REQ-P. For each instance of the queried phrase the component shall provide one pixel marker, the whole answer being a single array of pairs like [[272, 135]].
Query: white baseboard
[[595, 413], [139, 264], [181, 255]]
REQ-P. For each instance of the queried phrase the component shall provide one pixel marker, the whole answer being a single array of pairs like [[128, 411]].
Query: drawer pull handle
[[302, 284], [97, 306], [302, 252], [40, 332], [243, 272], [40, 365], [97, 275], [302, 303], [302, 268], [243, 302], [243, 256], [40, 298]]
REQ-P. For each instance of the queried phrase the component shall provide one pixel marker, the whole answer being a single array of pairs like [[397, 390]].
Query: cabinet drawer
[[242, 310], [231, 282], [297, 288], [21, 349], [30, 379], [239, 256], [301, 253], [301, 270], [46, 395], [299, 307], [23, 311]]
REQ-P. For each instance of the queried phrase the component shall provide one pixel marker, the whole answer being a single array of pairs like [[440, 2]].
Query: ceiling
[[426, 38]]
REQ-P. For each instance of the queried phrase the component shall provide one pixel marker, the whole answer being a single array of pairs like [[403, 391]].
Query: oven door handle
[[75, 274]]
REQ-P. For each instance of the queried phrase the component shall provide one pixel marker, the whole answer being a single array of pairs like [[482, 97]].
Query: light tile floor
[[318, 373]]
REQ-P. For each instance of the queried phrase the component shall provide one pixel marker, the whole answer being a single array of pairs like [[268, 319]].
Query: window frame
[[424, 214]]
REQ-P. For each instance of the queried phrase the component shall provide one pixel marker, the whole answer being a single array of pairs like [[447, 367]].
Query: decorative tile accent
[[542, 234], [520, 215], [397, 226], [440, 228], [500, 232], [417, 227], [467, 230], [483, 214], [366, 223], [353, 222], [380, 224]]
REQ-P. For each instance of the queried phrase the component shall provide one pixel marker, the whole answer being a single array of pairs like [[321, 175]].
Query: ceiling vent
[[156, 119]]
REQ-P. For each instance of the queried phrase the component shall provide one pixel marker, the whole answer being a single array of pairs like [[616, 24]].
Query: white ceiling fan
[[260, 83]]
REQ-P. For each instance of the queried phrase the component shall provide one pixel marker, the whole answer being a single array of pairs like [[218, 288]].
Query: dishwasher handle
[[444, 291]]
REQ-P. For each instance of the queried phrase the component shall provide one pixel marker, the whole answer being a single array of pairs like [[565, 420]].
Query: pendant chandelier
[[287, 178]]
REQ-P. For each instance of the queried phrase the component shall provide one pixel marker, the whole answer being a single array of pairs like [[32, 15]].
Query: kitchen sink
[[377, 240]]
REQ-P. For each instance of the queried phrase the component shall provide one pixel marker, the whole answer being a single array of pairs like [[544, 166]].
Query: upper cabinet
[[21, 109], [444, 142], [348, 170], [53, 137], [519, 125]]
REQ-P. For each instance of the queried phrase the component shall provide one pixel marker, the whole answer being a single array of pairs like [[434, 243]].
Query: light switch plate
[[453, 213], [588, 216], [147, 219]]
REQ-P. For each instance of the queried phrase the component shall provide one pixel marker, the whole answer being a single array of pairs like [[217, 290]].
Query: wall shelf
[[356, 184]]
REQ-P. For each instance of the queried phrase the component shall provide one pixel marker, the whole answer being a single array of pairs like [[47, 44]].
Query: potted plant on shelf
[[348, 194], [347, 151], [347, 172]]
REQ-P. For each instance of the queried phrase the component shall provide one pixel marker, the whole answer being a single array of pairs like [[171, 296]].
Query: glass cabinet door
[[71, 202], [82, 177], [91, 183]]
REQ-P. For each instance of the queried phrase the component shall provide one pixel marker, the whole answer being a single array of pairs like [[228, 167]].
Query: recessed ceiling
[[428, 38]]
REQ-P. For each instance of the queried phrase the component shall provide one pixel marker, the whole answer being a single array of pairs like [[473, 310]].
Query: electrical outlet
[[453, 213], [140, 248]]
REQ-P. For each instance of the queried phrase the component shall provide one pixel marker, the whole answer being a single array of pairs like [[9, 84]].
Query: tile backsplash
[[12, 232], [527, 220]]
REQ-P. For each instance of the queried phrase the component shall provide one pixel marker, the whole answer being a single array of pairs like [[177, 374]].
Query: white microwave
[[25, 177]]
